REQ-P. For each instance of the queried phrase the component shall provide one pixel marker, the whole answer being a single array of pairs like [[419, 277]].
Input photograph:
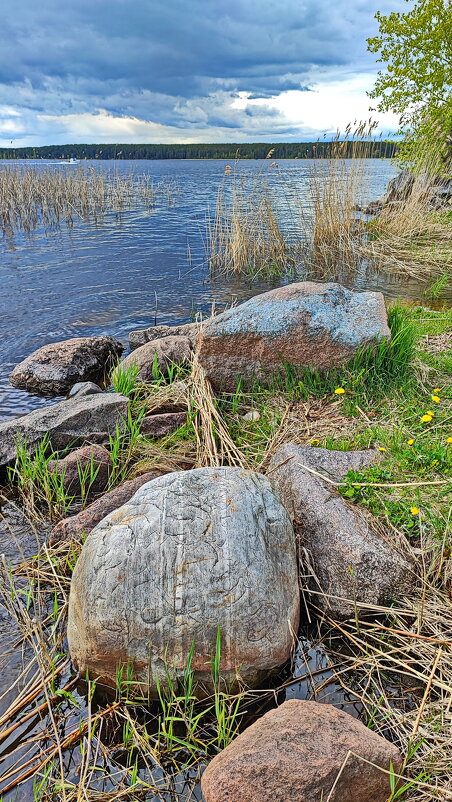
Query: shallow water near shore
[[138, 268]]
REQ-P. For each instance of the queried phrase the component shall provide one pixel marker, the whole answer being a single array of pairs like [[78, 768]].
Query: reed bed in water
[[51, 197], [266, 225], [246, 235]]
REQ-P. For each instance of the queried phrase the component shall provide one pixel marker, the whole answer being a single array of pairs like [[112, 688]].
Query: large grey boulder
[[302, 325], [142, 336], [190, 552], [90, 418], [348, 560], [164, 352], [55, 368], [303, 752]]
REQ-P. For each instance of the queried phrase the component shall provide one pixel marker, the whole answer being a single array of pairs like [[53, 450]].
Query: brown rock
[[296, 753], [55, 368], [161, 425], [78, 464], [142, 336], [82, 523], [350, 561], [167, 350], [309, 325]]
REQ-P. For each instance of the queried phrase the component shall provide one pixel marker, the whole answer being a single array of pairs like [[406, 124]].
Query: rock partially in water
[[141, 336], [91, 418], [302, 325], [84, 388], [350, 561], [160, 425], [89, 466], [190, 552], [55, 368], [163, 352], [301, 752], [76, 526]]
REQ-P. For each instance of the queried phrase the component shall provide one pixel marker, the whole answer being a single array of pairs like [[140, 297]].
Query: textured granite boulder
[[76, 526], [302, 325], [296, 753], [349, 560], [399, 187], [160, 425], [69, 422], [166, 350], [85, 470], [191, 551], [55, 368], [142, 336], [84, 388]]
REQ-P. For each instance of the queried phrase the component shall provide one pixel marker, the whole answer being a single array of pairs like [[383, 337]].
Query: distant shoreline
[[203, 152]]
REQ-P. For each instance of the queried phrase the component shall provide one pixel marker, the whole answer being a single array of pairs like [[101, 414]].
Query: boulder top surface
[[345, 313]]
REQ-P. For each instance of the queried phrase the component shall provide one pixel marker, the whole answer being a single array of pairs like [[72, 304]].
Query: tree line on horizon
[[260, 150]]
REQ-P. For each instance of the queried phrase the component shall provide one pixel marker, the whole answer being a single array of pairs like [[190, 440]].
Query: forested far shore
[[260, 150]]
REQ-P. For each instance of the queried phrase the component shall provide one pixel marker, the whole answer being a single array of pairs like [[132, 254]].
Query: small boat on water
[[70, 161]]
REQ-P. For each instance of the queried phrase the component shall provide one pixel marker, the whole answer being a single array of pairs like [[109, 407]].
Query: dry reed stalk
[[30, 197], [246, 235], [215, 446]]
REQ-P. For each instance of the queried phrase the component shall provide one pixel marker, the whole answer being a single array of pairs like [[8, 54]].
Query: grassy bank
[[394, 663]]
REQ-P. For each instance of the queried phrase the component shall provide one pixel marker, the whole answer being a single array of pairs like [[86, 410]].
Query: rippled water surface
[[130, 270]]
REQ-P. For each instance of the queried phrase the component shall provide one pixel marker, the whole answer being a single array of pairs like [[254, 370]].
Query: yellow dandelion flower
[[449, 440], [314, 440], [436, 399], [429, 412], [414, 511], [382, 448], [410, 442], [436, 390], [339, 391], [426, 419]]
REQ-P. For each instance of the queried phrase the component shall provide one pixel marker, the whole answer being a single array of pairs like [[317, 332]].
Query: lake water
[[128, 271]]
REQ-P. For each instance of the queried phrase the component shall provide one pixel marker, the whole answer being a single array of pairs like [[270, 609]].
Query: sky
[[185, 70]]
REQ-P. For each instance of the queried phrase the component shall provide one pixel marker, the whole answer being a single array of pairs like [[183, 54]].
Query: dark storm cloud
[[175, 62]]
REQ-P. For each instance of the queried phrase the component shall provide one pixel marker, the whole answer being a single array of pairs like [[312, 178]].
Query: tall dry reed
[[33, 196]]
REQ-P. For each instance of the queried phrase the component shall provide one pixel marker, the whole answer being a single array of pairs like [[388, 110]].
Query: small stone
[[165, 351], [55, 368], [157, 426], [141, 336], [84, 388], [254, 415], [83, 462], [303, 752], [75, 526]]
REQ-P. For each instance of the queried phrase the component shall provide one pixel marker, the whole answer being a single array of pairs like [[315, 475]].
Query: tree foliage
[[416, 47], [259, 150]]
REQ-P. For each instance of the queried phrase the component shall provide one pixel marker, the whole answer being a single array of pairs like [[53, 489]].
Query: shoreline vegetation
[[392, 661]]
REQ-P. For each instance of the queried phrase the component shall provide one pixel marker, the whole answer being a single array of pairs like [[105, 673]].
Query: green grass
[[124, 379]]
